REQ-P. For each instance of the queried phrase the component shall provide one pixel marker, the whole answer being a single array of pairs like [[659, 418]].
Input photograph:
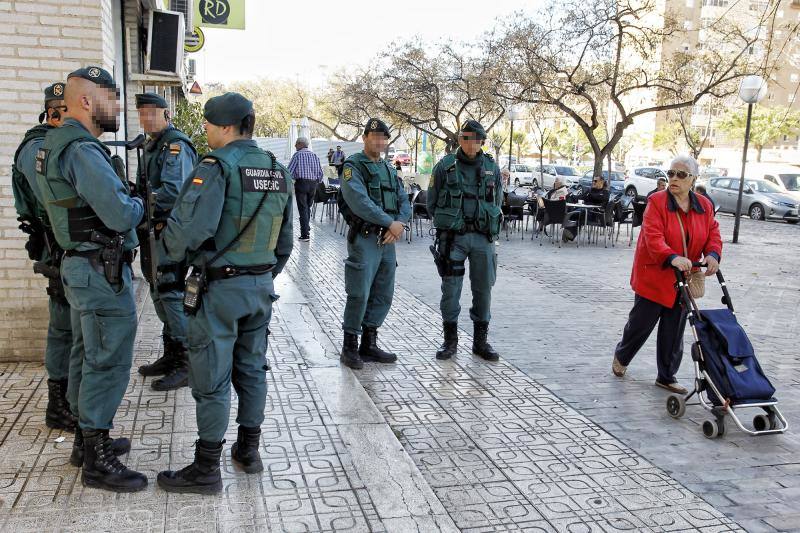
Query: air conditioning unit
[[165, 34], [187, 8]]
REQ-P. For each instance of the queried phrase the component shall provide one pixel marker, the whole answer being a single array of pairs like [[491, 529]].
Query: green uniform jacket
[[373, 192]]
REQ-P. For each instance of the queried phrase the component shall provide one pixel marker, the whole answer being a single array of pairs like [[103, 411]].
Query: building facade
[[41, 41]]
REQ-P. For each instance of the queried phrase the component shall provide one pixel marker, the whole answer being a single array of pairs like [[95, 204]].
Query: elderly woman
[[660, 249]]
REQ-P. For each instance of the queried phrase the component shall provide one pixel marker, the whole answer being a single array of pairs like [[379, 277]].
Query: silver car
[[761, 199]]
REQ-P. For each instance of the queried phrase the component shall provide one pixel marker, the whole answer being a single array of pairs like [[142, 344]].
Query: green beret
[[227, 109], [376, 124], [152, 99], [473, 126], [54, 92], [96, 75]]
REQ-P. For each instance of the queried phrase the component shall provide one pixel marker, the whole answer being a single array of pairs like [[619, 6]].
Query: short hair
[[661, 179], [688, 161], [700, 188], [247, 125], [302, 141]]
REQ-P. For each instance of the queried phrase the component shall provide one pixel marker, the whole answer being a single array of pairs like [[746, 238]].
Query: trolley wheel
[[714, 428], [765, 422], [676, 406]]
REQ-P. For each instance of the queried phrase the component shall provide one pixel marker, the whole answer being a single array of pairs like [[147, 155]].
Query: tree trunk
[[759, 149], [599, 158]]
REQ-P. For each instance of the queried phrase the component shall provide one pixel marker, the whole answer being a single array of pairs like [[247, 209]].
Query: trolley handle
[[726, 297]]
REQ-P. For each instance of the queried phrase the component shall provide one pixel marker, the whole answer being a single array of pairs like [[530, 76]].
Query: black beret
[[227, 109], [96, 75], [376, 124], [473, 126], [54, 92], [152, 99]]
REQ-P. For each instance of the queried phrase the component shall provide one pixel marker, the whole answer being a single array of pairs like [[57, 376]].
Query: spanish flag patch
[[175, 148], [197, 181]]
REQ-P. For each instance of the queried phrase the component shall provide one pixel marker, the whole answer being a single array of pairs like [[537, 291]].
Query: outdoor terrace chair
[[555, 211], [514, 212], [419, 211], [602, 218]]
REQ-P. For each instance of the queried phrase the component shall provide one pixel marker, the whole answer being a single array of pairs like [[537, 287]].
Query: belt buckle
[[229, 271]]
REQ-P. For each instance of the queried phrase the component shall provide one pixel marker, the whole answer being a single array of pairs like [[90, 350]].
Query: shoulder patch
[[210, 160], [175, 148], [41, 161], [348, 173]]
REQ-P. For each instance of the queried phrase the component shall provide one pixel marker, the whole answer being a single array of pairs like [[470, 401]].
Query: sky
[[308, 40]]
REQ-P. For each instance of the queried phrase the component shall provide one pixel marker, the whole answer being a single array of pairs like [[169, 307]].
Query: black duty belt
[[231, 271], [127, 255], [470, 227]]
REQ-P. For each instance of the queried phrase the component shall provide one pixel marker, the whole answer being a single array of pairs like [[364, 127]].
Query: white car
[[522, 175], [641, 180], [785, 177], [546, 175]]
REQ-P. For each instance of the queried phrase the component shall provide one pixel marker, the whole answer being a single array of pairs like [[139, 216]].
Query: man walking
[[376, 208], [44, 250], [169, 157], [233, 222], [337, 160], [93, 219], [464, 198], [307, 173]]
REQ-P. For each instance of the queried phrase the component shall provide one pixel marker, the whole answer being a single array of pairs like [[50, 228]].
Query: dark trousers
[[339, 169], [304, 192], [669, 344]]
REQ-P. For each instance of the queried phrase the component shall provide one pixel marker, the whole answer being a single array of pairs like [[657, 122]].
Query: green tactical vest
[[249, 173], [449, 214], [153, 154], [71, 217], [382, 191], [36, 132]]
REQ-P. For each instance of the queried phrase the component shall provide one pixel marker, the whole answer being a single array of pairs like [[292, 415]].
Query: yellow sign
[[224, 14], [194, 42]]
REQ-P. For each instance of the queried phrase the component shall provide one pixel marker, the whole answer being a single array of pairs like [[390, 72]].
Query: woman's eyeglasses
[[680, 174]]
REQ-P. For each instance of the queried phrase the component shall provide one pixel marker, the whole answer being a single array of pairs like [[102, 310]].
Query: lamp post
[[416, 149], [751, 90], [513, 114]]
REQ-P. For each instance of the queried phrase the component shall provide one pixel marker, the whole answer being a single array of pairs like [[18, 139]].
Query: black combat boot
[[119, 446], [58, 415], [245, 450], [480, 346], [200, 477], [450, 345], [163, 364], [369, 350], [102, 469], [350, 355], [178, 375]]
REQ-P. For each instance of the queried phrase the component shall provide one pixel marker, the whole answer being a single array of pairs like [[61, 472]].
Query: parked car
[[761, 200], [617, 181], [522, 175], [712, 172], [403, 158], [641, 180], [785, 177], [547, 174]]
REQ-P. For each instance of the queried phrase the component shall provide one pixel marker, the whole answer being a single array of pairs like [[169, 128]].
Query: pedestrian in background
[[330, 156], [661, 184], [678, 229], [307, 173], [337, 160]]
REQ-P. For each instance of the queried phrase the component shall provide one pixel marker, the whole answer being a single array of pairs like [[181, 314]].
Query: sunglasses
[[680, 174], [598, 180]]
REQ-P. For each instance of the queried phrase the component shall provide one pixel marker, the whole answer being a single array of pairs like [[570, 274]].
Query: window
[[723, 3], [720, 183], [759, 6]]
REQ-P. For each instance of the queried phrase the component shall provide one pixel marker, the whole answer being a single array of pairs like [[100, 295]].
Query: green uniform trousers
[[169, 308], [368, 282], [103, 331], [228, 344], [482, 257], [59, 341]]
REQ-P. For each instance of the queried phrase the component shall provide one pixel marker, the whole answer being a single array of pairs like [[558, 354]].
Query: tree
[[668, 137], [541, 132], [189, 119], [520, 142], [583, 57], [431, 88], [767, 125], [497, 139]]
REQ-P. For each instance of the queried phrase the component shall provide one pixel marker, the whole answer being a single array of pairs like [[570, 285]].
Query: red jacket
[[660, 240]]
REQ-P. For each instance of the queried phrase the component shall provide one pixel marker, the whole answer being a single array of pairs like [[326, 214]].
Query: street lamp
[[751, 90], [514, 113]]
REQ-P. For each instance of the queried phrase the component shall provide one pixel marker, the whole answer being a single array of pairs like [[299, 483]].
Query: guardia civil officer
[[93, 220], [44, 250], [464, 199], [377, 209], [233, 222], [169, 157]]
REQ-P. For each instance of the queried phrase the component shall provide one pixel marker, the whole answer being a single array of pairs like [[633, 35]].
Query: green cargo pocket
[[446, 218], [492, 218], [109, 340], [354, 282]]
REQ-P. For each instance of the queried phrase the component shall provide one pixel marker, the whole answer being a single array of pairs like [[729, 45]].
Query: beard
[[106, 123]]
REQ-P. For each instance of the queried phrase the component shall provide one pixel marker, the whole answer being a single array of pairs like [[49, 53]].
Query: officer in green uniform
[[464, 199], [377, 208], [169, 157], [44, 250], [233, 222], [93, 219]]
